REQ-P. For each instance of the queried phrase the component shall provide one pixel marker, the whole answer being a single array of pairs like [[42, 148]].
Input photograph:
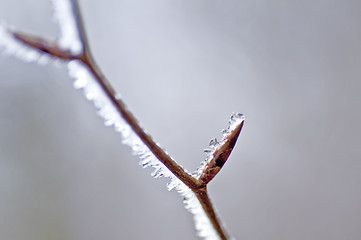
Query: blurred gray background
[[183, 66]]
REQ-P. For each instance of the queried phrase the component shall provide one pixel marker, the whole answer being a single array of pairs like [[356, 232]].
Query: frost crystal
[[234, 121], [64, 16]]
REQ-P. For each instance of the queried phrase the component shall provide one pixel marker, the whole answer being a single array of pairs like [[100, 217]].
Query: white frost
[[64, 16]]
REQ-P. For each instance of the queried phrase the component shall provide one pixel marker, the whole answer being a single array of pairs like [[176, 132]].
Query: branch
[[216, 158]]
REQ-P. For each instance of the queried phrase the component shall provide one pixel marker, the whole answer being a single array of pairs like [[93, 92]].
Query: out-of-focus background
[[183, 66]]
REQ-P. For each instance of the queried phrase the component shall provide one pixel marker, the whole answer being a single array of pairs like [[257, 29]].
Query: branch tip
[[220, 151], [43, 45]]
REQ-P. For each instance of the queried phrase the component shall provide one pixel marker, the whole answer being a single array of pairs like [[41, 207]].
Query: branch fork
[[217, 156]]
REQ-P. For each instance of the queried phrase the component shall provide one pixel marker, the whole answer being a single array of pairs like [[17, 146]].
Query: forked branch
[[217, 156]]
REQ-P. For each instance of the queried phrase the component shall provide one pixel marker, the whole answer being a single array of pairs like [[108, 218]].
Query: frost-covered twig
[[73, 48]]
